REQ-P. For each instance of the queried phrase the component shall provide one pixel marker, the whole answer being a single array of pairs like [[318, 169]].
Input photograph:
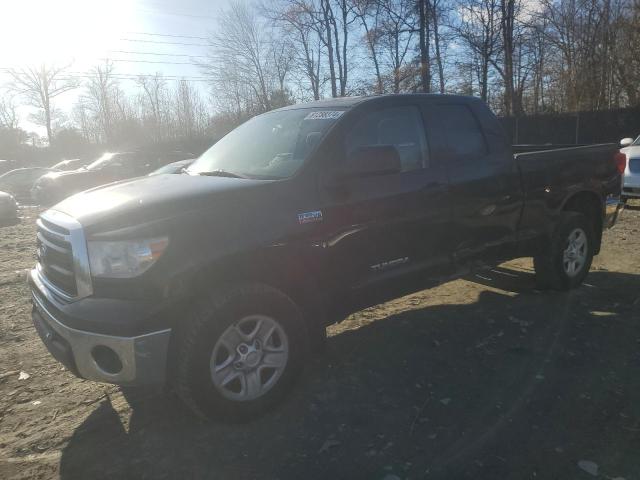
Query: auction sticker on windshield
[[325, 115]]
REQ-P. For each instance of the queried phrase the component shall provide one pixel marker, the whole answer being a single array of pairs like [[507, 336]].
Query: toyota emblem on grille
[[43, 250]]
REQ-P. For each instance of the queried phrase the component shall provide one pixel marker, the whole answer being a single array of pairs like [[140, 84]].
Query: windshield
[[636, 141], [101, 162], [270, 146]]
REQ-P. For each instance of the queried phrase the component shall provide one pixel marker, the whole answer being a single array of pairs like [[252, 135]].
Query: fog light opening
[[106, 359]]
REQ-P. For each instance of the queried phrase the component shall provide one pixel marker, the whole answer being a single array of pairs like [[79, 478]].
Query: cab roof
[[349, 102]]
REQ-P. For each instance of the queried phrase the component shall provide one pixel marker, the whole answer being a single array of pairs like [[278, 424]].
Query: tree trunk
[[326, 8], [507, 8], [425, 67], [436, 41]]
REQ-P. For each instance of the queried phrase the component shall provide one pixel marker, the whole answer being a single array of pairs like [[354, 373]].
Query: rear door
[[483, 178], [382, 227]]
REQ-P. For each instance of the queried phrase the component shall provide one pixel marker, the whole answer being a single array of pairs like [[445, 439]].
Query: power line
[[133, 79], [160, 12], [159, 54], [166, 43], [124, 76], [167, 35], [124, 60]]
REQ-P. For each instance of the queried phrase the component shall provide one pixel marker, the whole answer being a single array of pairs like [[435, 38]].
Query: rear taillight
[[621, 161]]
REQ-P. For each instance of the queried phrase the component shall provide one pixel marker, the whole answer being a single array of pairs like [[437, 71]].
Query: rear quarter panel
[[550, 178]]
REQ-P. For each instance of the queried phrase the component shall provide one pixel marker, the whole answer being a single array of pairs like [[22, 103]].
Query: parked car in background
[[8, 208], [72, 164], [110, 167], [19, 182], [631, 179], [175, 167], [6, 165]]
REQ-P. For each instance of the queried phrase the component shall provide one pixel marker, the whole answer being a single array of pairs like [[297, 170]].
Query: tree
[[480, 33], [296, 23], [188, 112], [241, 56], [153, 102], [99, 99], [397, 33], [39, 86], [369, 12], [8, 113], [507, 20]]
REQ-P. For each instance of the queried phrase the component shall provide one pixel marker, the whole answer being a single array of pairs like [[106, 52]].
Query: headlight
[[124, 259]]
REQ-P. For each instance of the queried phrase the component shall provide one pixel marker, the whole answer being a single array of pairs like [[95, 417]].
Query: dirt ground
[[482, 378]]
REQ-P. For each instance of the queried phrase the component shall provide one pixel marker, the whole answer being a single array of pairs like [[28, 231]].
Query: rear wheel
[[567, 259], [239, 353]]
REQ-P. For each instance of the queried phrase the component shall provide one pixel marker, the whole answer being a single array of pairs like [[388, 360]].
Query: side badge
[[310, 217]]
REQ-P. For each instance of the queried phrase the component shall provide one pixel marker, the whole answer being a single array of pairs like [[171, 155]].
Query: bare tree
[[39, 86], [369, 14], [424, 31], [189, 112], [241, 41], [8, 113], [296, 24], [153, 102], [507, 21], [99, 98], [479, 30], [397, 34], [437, 14]]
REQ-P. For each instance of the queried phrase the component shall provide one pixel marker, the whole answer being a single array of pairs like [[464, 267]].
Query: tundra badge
[[310, 217]]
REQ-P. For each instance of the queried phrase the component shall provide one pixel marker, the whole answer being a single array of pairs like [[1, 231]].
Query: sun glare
[[61, 31]]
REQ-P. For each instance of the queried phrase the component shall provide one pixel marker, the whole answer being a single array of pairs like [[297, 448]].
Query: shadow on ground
[[518, 384]]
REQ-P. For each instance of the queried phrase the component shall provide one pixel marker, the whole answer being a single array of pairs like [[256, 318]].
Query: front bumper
[[137, 360]]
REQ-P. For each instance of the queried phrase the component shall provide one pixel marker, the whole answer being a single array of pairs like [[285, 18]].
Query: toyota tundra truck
[[219, 281]]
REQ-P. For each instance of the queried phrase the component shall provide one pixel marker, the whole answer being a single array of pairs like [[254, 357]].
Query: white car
[[631, 181]]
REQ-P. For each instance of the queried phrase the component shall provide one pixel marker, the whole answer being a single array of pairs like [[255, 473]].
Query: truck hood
[[154, 198]]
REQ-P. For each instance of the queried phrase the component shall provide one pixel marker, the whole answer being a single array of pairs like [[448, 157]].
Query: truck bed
[[548, 172]]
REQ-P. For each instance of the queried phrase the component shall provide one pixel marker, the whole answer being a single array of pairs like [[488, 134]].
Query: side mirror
[[625, 142], [373, 160]]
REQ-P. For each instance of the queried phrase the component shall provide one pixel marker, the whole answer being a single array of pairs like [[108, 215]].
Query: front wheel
[[567, 260], [239, 353]]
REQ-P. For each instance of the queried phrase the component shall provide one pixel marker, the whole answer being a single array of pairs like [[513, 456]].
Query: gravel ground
[[481, 378]]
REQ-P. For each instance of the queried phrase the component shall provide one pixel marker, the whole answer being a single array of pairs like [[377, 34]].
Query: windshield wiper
[[221, 173]]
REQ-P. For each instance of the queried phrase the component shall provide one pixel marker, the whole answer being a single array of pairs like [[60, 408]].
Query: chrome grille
[[63, 264]]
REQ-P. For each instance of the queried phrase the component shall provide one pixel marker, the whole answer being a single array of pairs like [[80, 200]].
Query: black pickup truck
[[219, 281]]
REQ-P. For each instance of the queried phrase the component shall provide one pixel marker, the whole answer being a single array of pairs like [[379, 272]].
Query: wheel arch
[[277, 269], [590, 204]]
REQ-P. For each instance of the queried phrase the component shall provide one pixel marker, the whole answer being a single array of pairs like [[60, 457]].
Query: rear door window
[[462, 132], [401, 127]]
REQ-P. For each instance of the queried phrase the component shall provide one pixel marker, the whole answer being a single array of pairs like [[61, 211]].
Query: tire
[[564, 266], [219, 330]]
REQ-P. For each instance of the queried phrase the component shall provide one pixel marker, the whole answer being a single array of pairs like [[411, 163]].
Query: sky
[[139, 36]]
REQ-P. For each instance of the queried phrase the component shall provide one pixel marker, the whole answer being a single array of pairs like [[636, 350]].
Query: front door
[[378, 228]]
